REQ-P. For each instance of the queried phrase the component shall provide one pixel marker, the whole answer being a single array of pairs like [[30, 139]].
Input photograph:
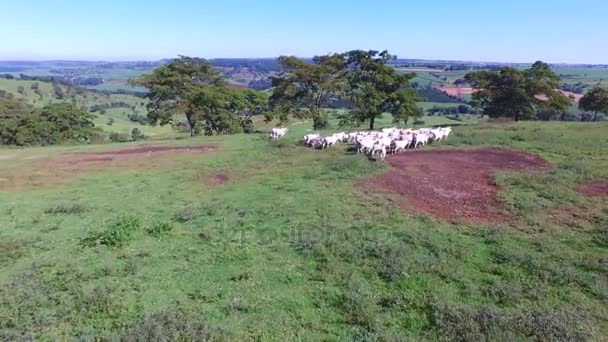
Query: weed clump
[[68, 208], [159, 229], [120, 233]]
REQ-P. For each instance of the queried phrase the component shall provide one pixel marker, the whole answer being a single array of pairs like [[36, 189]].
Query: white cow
[[278, 133]]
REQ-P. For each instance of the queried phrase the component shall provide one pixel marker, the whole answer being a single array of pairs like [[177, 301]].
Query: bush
[[320, 122], [110, 122], [188, 213], [66, 208], [173, 325], [118, 234], [248, 126], [116, 137], [464, 323], [136, 134], [159, 229]]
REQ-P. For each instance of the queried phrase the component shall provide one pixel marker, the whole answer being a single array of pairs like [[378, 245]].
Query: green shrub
[[66, 208], [118, 234], [186, 214], [159, 229], [137, 134], [172, 325], [248, 126], [116, 137]]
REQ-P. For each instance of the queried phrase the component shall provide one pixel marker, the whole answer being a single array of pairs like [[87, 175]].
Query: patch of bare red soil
[[57, 169], [594, 189], [139, 150], [219, 178], [453, 184]]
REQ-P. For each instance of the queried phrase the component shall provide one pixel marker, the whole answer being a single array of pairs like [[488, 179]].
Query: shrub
[[110, 122], [66, 208], [116, 137], [238, 304], [248, 126], [172, 325], [465, 323], [159, 229], [320, 122], [118, 234], [137, 134]]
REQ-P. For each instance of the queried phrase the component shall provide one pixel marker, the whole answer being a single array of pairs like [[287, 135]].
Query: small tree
[[595, 101], [137, 134]]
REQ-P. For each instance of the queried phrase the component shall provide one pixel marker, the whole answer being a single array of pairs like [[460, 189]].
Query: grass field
[[272, 241]]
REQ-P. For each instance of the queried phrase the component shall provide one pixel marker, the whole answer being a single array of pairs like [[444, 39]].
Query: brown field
[[453, 184]]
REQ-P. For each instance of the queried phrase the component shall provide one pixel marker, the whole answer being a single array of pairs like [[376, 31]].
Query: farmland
[[239, 238]]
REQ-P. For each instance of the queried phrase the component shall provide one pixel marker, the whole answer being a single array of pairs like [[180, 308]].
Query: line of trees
[[365, 78]]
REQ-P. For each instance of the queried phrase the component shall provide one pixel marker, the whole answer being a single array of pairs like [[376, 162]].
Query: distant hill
[[115, 112]]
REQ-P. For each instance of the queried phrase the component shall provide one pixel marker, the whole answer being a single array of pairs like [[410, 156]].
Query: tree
[[21, 124], [376, 87], [596, 101], [245, 103], [304, 88], [174, 87], [517, 94]]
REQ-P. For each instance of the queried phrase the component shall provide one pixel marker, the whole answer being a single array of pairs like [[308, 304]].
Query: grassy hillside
[[48, 93], [272, 241]]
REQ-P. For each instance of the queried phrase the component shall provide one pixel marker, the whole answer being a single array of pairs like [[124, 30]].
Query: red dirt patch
[[594, 189], [56, 170], [148, 150], [219, 178], [453, 184]]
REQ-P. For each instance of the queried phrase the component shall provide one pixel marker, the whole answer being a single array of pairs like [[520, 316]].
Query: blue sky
[[483, 30]]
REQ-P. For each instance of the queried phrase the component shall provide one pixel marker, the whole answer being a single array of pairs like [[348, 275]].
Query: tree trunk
[[191, 123], [371, 122], [595, 116], [516, 117]]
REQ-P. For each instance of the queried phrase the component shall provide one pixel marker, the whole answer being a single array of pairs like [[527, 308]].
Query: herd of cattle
[[387, 140]]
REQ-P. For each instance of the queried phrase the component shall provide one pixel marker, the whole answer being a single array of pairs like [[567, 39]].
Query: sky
[[555, 31]]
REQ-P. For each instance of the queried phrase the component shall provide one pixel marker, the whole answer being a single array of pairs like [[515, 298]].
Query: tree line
[[193, 87]]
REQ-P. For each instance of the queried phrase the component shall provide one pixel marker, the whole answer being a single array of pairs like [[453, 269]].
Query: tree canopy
[[517, 94], [596, 101], [376, 88], [21, 124], [191, 86], [304, 88]]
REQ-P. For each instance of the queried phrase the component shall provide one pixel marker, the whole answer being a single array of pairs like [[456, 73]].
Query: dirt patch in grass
[[56, 170], [453, 184], [219, 178], [594, 189], [146, 150]]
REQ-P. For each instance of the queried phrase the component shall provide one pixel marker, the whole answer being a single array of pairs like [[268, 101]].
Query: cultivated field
[[499, 233]]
